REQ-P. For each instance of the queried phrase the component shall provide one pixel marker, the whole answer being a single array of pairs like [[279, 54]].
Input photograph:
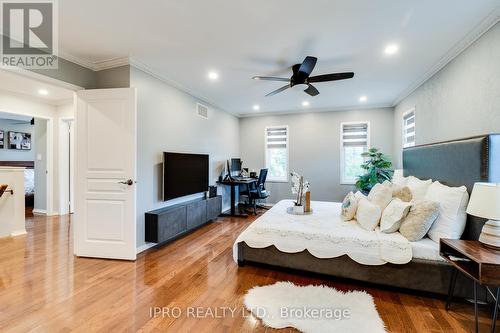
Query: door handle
[[128, 182]]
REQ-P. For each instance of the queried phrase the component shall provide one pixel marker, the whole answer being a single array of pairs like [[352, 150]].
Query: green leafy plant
[[378, 169]]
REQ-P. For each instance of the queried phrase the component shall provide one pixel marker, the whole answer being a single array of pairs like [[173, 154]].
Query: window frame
[[270, 178], [403, 128], [344, 181]]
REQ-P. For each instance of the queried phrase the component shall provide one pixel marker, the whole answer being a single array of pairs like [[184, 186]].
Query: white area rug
[[314, 309]]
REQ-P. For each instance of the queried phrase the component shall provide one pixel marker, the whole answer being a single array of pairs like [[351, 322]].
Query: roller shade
[[276, 137], [355, 135]]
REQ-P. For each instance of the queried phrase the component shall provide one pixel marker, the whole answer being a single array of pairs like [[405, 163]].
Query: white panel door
[[105, 173]]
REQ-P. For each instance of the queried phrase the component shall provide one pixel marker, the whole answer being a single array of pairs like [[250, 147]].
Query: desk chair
[[257, 191]]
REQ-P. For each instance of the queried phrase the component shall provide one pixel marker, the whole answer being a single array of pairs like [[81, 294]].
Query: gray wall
[[118, 77], [7, 125], [40, 165], [167, 121], [463, 99], [314, 140]]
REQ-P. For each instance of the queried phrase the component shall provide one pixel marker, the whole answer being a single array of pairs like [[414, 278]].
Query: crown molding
[[95, 65], [317, 110], [203, 99], [476, 33]]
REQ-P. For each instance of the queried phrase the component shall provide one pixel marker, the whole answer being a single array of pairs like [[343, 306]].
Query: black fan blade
[[270, 78], [278, 90], [331, 77], [308, 65], [311, 90]]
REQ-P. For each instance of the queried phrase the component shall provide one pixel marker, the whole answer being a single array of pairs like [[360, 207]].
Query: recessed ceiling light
[[43, 92], [363, 99], [305, 103], [256, 107], [391, 49], [213, 75]]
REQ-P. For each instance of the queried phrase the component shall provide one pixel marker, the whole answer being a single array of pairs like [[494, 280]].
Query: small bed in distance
[[453, 163]]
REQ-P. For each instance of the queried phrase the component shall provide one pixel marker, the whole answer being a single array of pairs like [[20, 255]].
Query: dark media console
[[166, 224]]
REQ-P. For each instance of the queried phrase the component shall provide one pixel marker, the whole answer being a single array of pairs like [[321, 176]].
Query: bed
[[29, 179], [454, 163]]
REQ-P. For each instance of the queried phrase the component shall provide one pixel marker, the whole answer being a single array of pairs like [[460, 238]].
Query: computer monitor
[[235, 165]]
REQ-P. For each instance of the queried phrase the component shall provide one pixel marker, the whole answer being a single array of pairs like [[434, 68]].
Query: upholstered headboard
[[457, 163]]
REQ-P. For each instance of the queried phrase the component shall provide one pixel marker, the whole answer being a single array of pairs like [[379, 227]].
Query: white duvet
[[325, 235]]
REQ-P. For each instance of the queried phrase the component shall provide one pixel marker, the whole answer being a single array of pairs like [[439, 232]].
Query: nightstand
[[480, 263]]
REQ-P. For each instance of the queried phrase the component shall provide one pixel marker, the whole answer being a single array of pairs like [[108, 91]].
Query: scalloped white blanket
[[325, 235]]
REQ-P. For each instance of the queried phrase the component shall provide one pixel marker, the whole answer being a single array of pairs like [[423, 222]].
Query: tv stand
[[169, 223]]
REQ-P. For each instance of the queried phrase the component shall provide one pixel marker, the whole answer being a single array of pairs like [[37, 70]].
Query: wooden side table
[[480, 263]]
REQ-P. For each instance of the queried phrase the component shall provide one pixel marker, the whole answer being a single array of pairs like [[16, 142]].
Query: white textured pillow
[[452, 216], [368, 214], [422, 215], [393, 215], [418, 187], [381, 195], [399, 179], [349, 207], [359, 195]]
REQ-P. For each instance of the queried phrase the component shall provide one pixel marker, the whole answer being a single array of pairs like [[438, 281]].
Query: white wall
[[314, 140], [461, 100], [167, 121]]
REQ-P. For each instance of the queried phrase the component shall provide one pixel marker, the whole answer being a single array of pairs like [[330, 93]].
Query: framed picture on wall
[[1, 140], [19, 141]]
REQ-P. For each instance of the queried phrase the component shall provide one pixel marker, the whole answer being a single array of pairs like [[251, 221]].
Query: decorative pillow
[[452, 216], [368, 214], [401, 192], [418, 187], [349, 207], [419, 220], [381, 194], [359, 195], [398, 178], [393, 215]]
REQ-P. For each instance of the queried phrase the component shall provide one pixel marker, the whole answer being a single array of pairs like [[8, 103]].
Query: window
[[355, 139], [409, 129], [277, 153]]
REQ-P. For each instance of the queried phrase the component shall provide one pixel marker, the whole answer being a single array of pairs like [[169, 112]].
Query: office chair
[[258, 191]]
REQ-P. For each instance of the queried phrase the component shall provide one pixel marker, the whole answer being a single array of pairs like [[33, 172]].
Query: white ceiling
[[20, 84], [183, 40]]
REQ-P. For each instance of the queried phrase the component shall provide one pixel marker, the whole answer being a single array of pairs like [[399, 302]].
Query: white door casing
[[105, 205]]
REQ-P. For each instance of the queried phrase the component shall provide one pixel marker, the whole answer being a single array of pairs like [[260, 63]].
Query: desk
[[233, 184], [479, 263]]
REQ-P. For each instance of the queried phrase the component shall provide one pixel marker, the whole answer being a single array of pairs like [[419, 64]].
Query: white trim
[[95, 65], [315, 110], [39, 211], [42, 78], [144, 247], [16, 233], [269, 177], [341, 151], [476, 33]]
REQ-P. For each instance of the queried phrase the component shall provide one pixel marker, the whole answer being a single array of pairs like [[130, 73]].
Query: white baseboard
[[39, 211], [144, 247], [18, 232]]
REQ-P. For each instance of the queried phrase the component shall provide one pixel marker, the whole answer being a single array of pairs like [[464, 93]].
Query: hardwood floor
[[44, 288]]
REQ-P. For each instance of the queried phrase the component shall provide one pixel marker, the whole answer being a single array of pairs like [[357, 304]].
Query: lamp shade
[[485, 201]]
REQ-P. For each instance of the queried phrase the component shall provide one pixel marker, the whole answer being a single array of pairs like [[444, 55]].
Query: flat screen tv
[[184, 174]]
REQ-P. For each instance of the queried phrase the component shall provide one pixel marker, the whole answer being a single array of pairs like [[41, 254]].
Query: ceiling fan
[[301, 75]]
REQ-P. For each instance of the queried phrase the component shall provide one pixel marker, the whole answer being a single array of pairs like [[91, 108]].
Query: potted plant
[[378, 169]]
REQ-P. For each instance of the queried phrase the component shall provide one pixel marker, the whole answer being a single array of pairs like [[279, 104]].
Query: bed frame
[[454, 163]]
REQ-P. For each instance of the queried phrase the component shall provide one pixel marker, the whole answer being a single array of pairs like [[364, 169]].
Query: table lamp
[[485, 202]]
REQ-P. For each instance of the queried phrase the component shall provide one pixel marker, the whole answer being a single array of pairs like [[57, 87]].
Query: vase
[[298, 209]]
